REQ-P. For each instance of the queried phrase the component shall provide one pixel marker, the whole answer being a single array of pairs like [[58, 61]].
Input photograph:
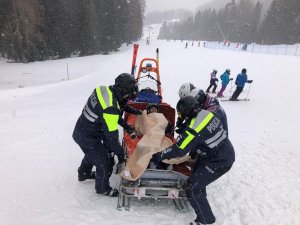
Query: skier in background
[[245, 46], [213, 80], [225, 80], [240, 82]]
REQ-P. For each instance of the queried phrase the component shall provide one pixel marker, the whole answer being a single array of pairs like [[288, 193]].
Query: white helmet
[[194, 92], [185, 90]]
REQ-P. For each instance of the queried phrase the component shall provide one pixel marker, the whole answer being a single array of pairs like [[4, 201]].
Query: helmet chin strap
[[195, 112], [125, 99]]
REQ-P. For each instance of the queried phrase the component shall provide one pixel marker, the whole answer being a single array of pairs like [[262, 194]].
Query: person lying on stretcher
[[154, 108], [153, 130]]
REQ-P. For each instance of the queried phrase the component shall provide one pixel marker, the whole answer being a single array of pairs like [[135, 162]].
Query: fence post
[[68, 71], [285, 49], [252, 47]]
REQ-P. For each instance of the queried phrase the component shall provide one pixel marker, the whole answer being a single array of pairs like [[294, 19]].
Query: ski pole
[[248, 92], [230, 86]]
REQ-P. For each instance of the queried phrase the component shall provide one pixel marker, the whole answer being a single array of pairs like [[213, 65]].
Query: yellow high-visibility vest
[[105, 98], [197, 124]]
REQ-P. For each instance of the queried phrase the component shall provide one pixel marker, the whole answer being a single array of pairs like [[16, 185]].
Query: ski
[[135, 50], [238, 100]]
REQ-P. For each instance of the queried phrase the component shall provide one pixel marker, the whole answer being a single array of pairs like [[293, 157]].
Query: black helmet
[[127, 85], [152, 105], [201, 97], [244, 70], [187, 107]]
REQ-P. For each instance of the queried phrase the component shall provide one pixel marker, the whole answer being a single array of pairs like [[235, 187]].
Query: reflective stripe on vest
[[87, 112], [197, 124], [105, 98]]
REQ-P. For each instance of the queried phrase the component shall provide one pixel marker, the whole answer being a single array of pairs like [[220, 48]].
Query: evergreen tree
[[255, 22], [38, 30], [5, 19], [235, 22], [55, 29], [282, 23]]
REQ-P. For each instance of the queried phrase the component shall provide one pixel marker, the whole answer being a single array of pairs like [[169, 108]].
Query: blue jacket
[[225, 78], [241, 79]]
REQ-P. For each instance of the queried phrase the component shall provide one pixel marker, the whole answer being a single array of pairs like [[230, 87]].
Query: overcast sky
[[161, 5]]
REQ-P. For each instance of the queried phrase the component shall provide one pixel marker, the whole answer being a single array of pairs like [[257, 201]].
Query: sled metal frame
[[154, 69], [154, 184]]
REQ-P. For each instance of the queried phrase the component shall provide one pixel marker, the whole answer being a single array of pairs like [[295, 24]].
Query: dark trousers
[[205, 172], [237, 92], [99, 157], [212, 84], [196, 192]]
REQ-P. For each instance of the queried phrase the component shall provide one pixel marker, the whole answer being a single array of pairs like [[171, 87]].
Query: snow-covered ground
[[39, 159]]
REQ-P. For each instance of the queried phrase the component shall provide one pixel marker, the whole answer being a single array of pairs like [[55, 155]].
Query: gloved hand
[[156, 158], [179, 121], [230, 78], [179, 130], [132, 133], [119, 165], [120, 157], [139, 112], [250, 81]]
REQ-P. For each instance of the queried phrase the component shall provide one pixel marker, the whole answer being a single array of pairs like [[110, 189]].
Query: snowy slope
[[39, 159]]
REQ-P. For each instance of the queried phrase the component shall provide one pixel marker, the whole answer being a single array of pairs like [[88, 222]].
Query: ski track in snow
[[39, 160]]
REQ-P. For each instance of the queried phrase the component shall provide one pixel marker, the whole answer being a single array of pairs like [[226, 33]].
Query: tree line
[[241, 22], [46, 29]]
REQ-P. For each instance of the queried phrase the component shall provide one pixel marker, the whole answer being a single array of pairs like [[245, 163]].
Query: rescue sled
[[154, 183]]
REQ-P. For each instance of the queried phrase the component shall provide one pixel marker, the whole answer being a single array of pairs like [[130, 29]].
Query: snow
[[39, 159]]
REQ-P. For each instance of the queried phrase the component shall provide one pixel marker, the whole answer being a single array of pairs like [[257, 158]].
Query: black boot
[[112, 192], [85, 176], [195, 223]]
